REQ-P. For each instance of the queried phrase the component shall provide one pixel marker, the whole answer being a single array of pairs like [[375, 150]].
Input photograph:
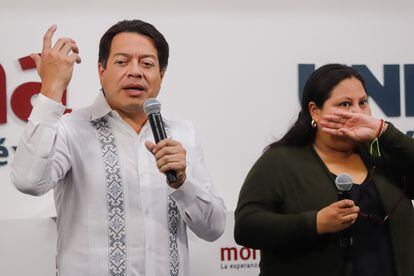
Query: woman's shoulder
[[287, 151], [278, 162], [285, 155]]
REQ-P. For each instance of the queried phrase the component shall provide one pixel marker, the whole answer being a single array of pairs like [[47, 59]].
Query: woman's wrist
[[383, 126]]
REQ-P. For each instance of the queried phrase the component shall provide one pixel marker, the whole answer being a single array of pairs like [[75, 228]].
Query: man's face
[[132, 73]]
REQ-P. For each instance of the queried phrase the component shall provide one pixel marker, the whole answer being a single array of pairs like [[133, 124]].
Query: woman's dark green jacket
[[286, 187]]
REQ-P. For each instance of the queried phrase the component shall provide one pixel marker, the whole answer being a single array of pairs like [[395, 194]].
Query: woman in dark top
[[288, 206]]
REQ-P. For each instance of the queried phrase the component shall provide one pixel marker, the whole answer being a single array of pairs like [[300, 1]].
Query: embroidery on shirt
[[115, 199], [172, 227]]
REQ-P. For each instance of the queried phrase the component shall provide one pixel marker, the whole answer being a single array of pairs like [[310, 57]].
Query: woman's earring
[[313, 123]]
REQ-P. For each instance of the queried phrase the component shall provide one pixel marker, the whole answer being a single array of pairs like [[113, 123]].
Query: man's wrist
[[52, 93], [179, 183], [46, 110]]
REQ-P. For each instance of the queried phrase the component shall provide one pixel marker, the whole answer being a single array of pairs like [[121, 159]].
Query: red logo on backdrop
[[234, 253], [3, 97], [20, 100], [237, 258]]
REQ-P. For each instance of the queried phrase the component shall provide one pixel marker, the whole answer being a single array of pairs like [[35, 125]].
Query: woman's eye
[[364, 102], [345, 104]]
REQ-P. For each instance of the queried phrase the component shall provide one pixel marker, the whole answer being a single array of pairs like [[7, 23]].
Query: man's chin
[[132, 105], [135, 105]]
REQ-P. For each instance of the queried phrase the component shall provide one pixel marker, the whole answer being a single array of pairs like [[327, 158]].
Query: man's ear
[[162, 73], [101, 71]]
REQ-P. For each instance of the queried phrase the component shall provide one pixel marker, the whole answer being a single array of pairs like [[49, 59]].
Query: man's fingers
[[172, 166], [75, 58], [163, 143], [47, 38], [169, 159], [36, 58], [61, 42], [69, 46], [167, 151], [149, 145]]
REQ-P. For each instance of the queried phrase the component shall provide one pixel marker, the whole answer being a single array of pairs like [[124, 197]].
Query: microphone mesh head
[[344, 182], [152, 105]]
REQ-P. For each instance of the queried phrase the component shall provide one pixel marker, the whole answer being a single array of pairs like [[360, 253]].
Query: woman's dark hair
[[134, 26], [317, 89]]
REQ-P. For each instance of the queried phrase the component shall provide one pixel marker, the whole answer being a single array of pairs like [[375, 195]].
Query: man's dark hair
[[134, 26], [318, 89]]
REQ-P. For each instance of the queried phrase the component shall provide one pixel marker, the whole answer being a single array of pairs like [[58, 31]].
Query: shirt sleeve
[[260, 222], [42, 156], [201, 208], [397, 152], [398, 147]]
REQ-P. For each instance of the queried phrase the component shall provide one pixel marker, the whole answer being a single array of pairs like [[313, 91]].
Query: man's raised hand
[[55, 64]]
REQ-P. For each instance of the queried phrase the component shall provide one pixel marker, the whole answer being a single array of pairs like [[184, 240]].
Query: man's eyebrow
[[123, 54], [129, 56], [149, 55]]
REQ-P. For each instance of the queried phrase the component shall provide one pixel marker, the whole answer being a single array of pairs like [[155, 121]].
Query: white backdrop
[[233, 68]]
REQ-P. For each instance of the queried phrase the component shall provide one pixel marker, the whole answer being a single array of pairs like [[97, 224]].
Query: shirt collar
[[100, 107]]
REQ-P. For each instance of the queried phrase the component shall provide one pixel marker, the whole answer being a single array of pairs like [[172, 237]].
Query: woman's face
[[349, 95]]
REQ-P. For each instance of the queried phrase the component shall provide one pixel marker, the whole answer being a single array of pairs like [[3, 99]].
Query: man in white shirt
[[117, 215]]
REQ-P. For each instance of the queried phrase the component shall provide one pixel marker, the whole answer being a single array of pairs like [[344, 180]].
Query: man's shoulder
[[180, 130], [178, 124]]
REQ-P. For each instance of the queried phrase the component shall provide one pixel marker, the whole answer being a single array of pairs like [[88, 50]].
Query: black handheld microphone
[[152, 108], [344, 184]]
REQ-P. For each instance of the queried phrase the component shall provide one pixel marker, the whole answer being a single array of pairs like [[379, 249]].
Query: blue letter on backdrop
[[386, 96], [409, 89]]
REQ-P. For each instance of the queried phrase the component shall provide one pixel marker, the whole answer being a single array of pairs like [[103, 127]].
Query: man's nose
[[135, 70]]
